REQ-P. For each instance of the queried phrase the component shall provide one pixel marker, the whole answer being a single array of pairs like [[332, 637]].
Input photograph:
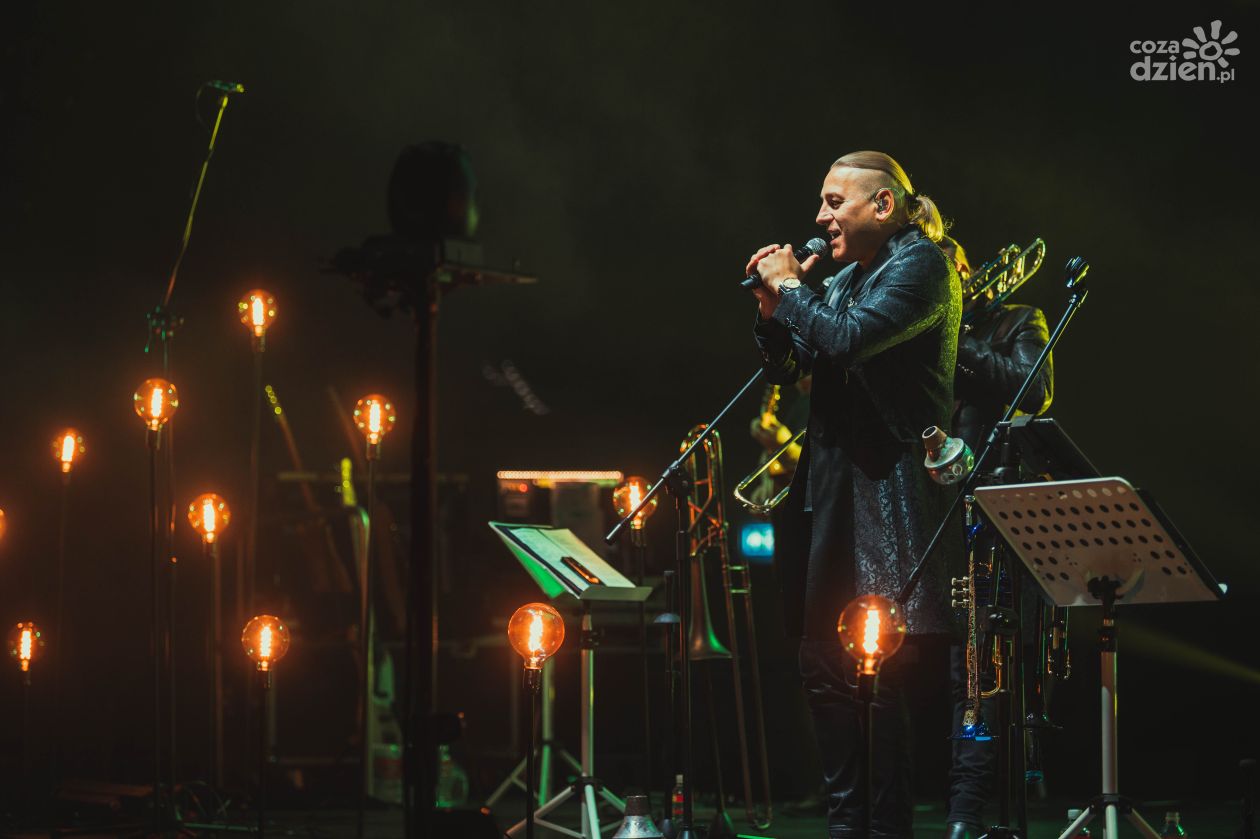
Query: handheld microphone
[[814, 247], [225, 87]]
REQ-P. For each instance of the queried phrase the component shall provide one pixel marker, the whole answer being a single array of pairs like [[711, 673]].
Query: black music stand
[[1099, 541], [562, 565]]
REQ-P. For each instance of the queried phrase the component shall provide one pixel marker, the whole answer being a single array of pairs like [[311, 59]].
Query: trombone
[[763, 508], [707, 531], [1002, 276]]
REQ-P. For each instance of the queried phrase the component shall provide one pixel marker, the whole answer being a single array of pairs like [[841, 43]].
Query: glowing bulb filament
[[67, 449], [264, 643], [24, 646], [208, 519], [155, 403], [535, 634], [258, 314], [374, 418], [870, 637]]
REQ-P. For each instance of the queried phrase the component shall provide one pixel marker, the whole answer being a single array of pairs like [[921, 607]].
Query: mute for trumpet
[[949, 460]]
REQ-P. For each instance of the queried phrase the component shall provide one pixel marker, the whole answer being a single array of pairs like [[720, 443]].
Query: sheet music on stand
[[560, 563], [1069, 532]]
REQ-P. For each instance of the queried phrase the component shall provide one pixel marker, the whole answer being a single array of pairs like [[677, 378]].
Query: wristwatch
[[789, 284]]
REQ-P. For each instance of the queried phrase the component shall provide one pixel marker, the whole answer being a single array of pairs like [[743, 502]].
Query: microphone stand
[[1076, 270], [163, 323], [676, 481]]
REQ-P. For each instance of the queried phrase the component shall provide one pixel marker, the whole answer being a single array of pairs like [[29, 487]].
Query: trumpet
[[1002, 276]]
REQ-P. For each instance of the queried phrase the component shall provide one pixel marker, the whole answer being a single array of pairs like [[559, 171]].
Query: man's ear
[[885, 203]]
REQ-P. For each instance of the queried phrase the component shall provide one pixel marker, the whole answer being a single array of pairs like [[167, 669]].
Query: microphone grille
[[816, 246]]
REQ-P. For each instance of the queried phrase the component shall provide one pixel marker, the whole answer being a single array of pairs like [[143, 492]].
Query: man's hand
[[775, 263]]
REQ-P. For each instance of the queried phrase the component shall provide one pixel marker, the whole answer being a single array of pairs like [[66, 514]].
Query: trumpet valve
[[960, 593]]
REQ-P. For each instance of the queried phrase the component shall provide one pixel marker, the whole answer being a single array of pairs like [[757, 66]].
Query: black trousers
[[829, 677], [974, 765]]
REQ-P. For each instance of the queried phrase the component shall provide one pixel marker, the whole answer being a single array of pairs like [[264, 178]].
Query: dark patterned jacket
[[881, 343], [994, 358]]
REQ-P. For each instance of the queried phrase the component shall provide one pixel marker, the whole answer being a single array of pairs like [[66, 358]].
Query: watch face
[[789, 284]]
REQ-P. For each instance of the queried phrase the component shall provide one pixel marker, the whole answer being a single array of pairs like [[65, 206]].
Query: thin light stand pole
[[26, 726], [154, 439], [263, 736], [638, 543], [867, 689], [172, 567], [249, 578], [60, 628], [365, 642], [216, 663], [531, 686]]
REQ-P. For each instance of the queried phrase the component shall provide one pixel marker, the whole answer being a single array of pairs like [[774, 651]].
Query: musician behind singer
[[881, 345], [996, 351]]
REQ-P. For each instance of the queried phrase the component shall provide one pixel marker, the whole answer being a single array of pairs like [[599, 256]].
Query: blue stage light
[[756, 540]]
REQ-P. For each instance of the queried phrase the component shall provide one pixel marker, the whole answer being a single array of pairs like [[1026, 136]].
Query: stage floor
[[1202, 820], [1047, 819]]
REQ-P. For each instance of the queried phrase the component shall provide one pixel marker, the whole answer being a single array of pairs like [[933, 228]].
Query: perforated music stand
[[564, 566], [1099, 541]]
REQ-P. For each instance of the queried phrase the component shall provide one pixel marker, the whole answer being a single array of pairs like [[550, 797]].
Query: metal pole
[[155, 564], [216, 665], [365, 641], [588, 715], [250, 575], [531, 685], [265, 695], [60, 630]]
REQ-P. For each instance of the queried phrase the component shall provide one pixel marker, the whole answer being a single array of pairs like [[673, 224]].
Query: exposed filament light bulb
[[209, 515], [374, 416], [26, 643], [67, 446], [155, 402], [257, 311], [872, 629]]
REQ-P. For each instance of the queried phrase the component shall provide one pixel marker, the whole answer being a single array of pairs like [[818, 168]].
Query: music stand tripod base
[[1099, 542], [561, 564]]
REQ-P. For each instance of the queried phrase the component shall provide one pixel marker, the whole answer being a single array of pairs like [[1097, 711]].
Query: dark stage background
[[631, 156]]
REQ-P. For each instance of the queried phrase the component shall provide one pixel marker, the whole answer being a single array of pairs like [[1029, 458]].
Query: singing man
[[881, 342]]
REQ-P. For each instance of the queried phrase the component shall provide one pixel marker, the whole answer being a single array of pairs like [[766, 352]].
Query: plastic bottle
[[676, 800], [1172, 826], [452, 785], [1073, 815]]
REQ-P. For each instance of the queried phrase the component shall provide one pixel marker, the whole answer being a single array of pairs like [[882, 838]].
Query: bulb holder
[[373, 451]]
